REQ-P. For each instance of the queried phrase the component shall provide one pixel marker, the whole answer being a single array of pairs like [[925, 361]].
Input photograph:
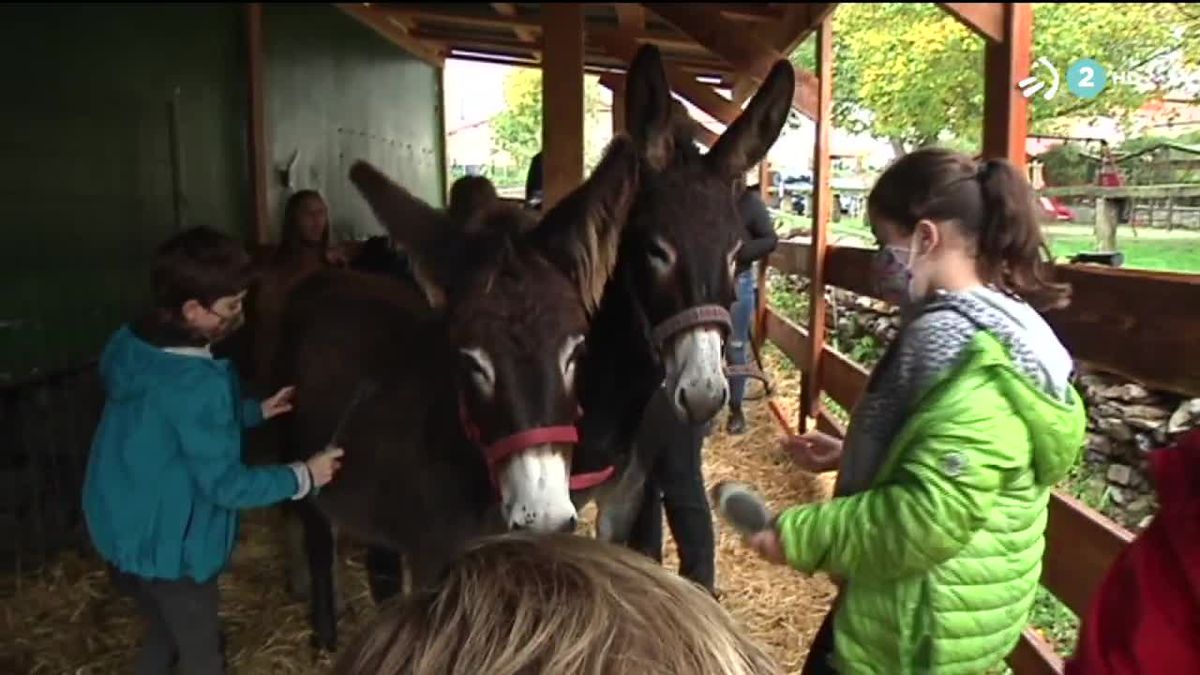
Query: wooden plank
[[790, 338], [811, 385], [741, 46], [799, 21], [257, 121], [985, 18], [850, 268], [1034, 656], [371, 17], [1162, 191], [1005, 112], [562, 100], [829, 424], [1142, 326], [630, 15], [842, 378], [1081, 546]]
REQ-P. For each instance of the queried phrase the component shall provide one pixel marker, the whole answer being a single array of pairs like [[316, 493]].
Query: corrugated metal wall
[[106, 110]]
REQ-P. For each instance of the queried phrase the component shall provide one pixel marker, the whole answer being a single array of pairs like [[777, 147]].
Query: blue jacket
[[165, 476]]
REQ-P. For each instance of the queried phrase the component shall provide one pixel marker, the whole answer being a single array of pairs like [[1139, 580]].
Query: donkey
[[453, 395], [663, 319]]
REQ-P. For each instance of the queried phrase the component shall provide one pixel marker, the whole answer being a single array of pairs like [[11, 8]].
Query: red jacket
[[1145, 617]]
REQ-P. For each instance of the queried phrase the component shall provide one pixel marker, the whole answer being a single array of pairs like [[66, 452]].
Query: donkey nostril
[[569, 526], [681, 398]]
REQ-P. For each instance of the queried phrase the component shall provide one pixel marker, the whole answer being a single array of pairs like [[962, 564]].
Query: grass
[[1149, 249]]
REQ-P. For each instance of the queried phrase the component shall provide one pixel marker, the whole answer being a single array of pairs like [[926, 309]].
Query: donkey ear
[[648, 107], [419, 228], [747, 140], [582, 233]]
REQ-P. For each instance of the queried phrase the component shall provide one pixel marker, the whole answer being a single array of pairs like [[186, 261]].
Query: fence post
[[810, 385]]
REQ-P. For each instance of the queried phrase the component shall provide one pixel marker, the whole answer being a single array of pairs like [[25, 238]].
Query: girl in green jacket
[[935, 531]]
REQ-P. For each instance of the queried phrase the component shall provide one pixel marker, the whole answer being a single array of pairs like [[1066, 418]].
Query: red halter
[[506, 447]]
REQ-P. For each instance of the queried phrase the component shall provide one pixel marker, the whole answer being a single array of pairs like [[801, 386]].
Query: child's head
[[526, 603], [305, 221], [946, 220], [199, 278]]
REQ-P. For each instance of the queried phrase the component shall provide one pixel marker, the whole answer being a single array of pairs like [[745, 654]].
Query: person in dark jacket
[[758, 242]]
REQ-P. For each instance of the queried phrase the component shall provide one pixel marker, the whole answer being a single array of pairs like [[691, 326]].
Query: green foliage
[[518, 130], [916, 75], [1066, 165]]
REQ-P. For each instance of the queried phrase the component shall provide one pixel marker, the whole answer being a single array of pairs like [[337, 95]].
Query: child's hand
[[768, 545], [323, 465], [814, 451], [278, 404]]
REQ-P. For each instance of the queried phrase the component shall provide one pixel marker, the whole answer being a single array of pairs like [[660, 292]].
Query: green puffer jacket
[[943, 554]]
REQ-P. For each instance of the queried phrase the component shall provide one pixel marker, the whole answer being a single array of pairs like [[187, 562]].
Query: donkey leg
[[384, 573], [619, 507], [319, 545], [299, 583]]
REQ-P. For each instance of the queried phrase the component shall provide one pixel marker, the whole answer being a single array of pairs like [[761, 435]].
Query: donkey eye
[[662, 254], [479, 366], [572, 350]]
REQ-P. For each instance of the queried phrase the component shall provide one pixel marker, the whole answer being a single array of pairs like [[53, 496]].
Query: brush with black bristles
[[741, 507]]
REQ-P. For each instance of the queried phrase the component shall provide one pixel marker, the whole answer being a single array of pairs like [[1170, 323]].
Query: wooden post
[[810, 385], [257, 135], [1004, 108], [1106, 225], [562, 100]]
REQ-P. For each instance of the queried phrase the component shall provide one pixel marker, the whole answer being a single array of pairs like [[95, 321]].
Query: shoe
[[737, 422]]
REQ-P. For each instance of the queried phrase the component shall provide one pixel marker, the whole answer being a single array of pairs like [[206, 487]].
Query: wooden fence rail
[[1135, 324]]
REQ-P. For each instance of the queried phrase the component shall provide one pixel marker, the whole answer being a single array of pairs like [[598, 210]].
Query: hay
[[68, 619]]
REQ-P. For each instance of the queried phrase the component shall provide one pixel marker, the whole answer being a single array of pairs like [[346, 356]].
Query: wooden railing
[[1138, 324]]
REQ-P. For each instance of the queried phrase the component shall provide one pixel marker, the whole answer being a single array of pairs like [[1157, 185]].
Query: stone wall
[[1125, 420]]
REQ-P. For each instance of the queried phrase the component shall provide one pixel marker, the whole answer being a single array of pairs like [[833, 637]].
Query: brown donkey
[[663, 319], [454, 396]]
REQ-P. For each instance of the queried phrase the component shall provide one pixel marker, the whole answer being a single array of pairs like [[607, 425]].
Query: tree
[[518, 130], [911, 73]]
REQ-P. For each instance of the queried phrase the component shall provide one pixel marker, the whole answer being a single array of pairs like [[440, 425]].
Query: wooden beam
[[1034, 656], [630, 15], [986, 19], [508, 9], [799, 21], [374, 19], [1081, 546], [791, 339], [742, 47], [624, 47], [810, 386], [257, 132], [1005, 113], [562, 100]]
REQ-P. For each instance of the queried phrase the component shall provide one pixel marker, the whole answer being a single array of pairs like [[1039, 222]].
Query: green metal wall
[[86, 151], [336, 93]]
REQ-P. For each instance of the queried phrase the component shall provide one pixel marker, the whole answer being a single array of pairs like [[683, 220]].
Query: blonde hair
[[524, 603]]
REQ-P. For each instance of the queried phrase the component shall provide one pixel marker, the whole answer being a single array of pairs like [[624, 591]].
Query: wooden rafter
[[985, 18], [799, 22], [630, 15], [508, 9], [740, 46], [624, 48], [395, 33]]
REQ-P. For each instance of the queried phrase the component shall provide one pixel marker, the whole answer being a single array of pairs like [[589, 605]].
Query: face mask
[[892, 270]]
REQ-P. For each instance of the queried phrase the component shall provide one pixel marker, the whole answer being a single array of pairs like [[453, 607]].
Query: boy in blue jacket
[[165, 477]]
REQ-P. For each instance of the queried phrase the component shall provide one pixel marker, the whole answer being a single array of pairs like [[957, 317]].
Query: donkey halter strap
[[506, 447], [703, 315]]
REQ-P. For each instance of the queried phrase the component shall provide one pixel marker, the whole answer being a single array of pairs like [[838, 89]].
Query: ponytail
[[992, 204], [1011, 249]]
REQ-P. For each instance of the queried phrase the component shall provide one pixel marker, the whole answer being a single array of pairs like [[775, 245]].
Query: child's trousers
[[181, 624]]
